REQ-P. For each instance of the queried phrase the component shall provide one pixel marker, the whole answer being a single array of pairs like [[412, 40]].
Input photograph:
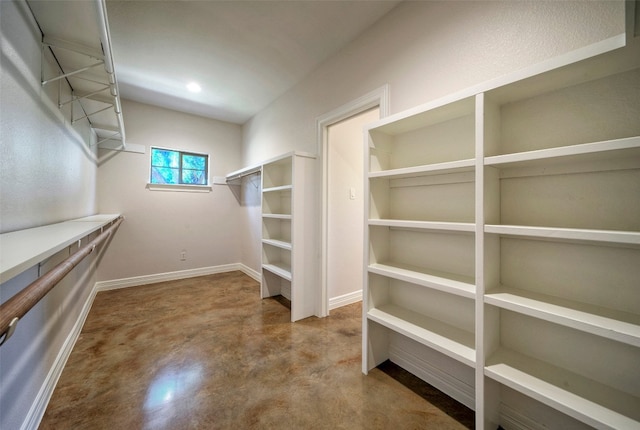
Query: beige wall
[[160, 224]]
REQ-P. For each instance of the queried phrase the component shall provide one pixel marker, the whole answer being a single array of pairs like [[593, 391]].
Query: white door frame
[[378, 97]]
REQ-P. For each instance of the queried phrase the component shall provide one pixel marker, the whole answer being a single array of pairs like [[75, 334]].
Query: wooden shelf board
[[451, 341], [22, 249], [544, 383], [278, 243], [614, 325], [279, 269], [467, 165], [276, 216], [448, 282], [616, 148], [572, 234], [288, 187], [425, 225]]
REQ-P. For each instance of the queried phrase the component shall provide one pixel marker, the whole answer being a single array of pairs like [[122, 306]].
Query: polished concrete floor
[[208, 353]]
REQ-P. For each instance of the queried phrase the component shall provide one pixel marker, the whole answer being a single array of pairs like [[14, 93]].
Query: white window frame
[[194, 188]]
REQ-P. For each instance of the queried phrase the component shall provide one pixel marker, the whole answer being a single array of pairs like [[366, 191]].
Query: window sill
[[180, 188]]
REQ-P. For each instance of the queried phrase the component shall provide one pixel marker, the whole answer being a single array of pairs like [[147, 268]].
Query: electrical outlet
[[183, 255]]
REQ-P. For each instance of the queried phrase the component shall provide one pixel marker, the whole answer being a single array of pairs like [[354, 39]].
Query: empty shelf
[[280, 269], [280, 188], [425, 225], [447, 282], [277, 216], [547, 384], [451, 341], [572, 234], [618, 148], [277, 243], [618, 326], [466, 165]]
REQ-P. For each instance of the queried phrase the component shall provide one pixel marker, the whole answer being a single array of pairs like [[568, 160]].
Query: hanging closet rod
[[242, 173], [17, 306]]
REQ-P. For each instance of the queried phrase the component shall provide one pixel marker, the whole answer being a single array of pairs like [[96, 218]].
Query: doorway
[[345, 217], [341, 146]]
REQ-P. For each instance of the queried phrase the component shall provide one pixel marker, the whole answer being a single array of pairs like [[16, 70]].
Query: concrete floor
[[208, 353]]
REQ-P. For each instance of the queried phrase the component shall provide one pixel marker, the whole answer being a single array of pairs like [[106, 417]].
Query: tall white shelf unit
[[287, 242], [503, 243]]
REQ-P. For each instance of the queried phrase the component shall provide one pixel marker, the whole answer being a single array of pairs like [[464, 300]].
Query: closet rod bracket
[[12, 327]]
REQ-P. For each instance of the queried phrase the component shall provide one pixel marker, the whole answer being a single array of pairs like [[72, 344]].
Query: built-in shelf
[[451, 341], [279, 188], [582, 398], [276, 216], [22, 249], [433, 169], [571, 234], [277, 243], [447, 282], [608, 323], [425, 225], [280, 269], [616, 148]]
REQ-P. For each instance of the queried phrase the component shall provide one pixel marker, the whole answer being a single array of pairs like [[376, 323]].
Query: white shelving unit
[[420, 276], [287, 258], [503, 237]]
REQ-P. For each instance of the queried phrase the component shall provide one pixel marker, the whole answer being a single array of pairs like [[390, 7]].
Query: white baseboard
[[257, 276], [345, 299], [443, 381], [172, 276], [39, 406]]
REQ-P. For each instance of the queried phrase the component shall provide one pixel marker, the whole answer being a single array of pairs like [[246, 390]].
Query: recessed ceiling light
[[194, 87]]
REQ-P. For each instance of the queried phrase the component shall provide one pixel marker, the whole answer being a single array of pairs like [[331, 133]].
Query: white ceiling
[[244, 54]]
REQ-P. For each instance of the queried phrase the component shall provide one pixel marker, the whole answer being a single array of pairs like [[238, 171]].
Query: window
[[172, 167]]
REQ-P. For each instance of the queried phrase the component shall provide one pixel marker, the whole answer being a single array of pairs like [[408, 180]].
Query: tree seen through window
[[170, 166]]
